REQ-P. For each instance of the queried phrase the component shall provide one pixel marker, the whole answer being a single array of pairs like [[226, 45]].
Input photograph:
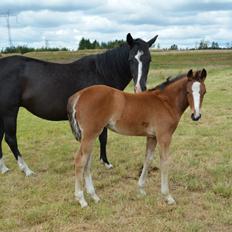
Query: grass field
[[200, 173]]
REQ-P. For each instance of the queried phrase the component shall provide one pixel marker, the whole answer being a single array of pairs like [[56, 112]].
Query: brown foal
[[154, 114]]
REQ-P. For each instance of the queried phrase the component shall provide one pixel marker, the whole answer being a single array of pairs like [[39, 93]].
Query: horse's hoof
[[5, 170], [142, 192], [107, 165], [96, 198], [170, 200], [29, 172], [84, 205], [82, 202]]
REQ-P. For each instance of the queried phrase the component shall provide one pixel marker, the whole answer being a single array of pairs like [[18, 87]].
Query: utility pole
[[7, 16]]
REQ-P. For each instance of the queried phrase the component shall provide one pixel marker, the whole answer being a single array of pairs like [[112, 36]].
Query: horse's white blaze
[[140, 68], [23, 167], [3, 167], [196, 97]]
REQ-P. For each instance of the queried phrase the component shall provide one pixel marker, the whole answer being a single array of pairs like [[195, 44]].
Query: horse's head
[[139, 59], [196, 91]]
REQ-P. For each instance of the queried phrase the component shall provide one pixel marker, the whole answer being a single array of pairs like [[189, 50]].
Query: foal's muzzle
[[195, 118]]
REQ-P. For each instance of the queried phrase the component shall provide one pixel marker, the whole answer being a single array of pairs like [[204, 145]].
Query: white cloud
[[64, 23]]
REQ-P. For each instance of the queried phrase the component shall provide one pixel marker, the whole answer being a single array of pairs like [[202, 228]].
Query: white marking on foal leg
[[3, 167], [79, 195], [140, 68], [164, 183], [23, 167], [196, 98], [90, 188], [89, 182], [151, 142]]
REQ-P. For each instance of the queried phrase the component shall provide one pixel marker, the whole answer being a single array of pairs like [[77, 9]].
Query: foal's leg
[[81, 161], [10, 137], [103, 142], [151, 144], [89, 182], [164, 166], [3, 168]]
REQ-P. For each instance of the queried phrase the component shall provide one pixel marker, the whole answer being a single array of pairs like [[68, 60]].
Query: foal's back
[[101, 106]]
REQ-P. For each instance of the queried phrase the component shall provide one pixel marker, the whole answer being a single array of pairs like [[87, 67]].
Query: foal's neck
[[177, 96]]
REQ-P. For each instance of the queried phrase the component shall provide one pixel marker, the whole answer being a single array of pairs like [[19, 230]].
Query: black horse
[[43, 88]]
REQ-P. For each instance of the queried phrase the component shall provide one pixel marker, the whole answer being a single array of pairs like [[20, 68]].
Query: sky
[[62, 23]]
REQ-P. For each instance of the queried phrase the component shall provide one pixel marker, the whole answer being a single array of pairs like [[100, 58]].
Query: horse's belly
[[138, 129]]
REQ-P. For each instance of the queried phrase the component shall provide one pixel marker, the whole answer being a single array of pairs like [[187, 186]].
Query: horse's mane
[[113, 61], [168, 81]]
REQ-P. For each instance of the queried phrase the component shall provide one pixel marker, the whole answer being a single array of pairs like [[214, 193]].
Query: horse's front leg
[[164, 167], [103, 142]]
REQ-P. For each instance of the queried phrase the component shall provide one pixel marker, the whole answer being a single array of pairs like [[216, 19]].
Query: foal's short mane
[[168, 81]]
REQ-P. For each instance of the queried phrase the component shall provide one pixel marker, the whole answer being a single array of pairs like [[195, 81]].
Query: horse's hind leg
[[10, 137], [103, 142], [3, 168], [151, 144], [81, 161], [89, 182]]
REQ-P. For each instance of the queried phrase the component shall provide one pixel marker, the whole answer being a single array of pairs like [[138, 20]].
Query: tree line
[[24, 49], [204, 44], [87, 44]]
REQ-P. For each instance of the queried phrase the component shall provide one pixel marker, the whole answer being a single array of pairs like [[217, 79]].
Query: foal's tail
[[71, 110]]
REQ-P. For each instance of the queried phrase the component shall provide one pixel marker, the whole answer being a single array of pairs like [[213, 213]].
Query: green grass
[[200, 173]]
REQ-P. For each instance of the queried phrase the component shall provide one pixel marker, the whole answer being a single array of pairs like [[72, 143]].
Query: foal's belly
[[138, 129]]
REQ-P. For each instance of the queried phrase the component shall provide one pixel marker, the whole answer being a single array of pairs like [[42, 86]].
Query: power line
[[7, 16]]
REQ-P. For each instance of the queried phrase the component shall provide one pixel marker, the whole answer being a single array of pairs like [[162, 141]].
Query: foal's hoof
[[5, 170], [96, 198], [170, 200], [142, 192], [82, 202]]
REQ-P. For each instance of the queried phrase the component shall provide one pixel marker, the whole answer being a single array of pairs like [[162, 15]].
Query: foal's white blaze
[[3, 167], [140, 68], [196, 98], [23, 167]]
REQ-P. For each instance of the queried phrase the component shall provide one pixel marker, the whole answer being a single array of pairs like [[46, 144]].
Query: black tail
[[73, 121]]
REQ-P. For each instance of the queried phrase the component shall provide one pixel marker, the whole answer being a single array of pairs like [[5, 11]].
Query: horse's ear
[[190, 74], [129, 40], [151, 41], [203, 74]]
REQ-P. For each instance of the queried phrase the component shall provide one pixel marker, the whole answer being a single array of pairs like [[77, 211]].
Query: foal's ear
[[203, 74], [151, 41], [129, 40], [190, 74]]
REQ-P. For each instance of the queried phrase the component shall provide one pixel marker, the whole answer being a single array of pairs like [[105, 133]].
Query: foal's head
[[139, 58], [196, 91]]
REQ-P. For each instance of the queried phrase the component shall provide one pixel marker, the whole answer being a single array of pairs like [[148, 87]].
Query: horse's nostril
[[195, 118]]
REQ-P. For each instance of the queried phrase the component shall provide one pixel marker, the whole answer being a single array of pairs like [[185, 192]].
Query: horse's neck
[[114, 66], [177, 96]]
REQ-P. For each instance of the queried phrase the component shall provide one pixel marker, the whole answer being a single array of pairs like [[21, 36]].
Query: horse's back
[[97, 103]]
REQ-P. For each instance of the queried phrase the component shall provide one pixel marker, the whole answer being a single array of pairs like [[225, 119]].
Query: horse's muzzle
[[195, 118]]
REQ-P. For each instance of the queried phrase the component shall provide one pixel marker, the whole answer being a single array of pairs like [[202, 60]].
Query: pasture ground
[[200, 172]]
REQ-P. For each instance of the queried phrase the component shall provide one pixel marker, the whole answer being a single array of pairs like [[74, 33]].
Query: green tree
[[215, 45], [174, 47], [203, 44]]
